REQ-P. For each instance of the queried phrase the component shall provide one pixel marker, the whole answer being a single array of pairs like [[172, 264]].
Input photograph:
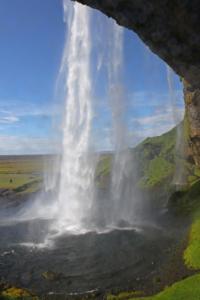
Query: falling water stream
[[122, 163], [180, 147], [77, 166], [77, 178]]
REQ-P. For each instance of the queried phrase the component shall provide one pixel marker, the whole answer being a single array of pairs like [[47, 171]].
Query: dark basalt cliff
[[192, 116], [171, 28]]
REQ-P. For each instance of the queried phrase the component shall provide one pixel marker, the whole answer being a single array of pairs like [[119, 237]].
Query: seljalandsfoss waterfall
[[99, 170], [75, 203], [76, 187]]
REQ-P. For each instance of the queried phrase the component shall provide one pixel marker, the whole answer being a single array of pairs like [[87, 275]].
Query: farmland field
[[17, 172]]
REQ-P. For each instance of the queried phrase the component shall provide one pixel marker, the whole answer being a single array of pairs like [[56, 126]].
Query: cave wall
[[171, 29], [192, 116]]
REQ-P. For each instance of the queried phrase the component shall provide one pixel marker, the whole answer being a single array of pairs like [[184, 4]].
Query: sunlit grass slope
[[156, 158], [21, 173], [187, 289], [192, 252]]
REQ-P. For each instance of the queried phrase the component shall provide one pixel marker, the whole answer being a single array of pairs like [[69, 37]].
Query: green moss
[[14, 293], [187, 289], [156, 159], [157, 171], [192, 179], [103, 170], [186, 201], [192, 252], [104, 165], [196, 171]]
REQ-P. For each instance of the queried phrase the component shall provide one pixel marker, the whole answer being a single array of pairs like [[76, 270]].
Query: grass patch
[[187, 289], [29, 187], [23, 174], [14, 293], [187, 202], [22, 164], [103, 170], [158, 170], [14, 181], [156, 159], [192, 252]]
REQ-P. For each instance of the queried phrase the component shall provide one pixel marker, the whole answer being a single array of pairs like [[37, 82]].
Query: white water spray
[[180, 148], [121, 165], [77, 166]]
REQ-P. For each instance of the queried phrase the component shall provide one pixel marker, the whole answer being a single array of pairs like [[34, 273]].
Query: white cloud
[[148, 114], [13, 145], [19, 108], [156, 124], [164, 116], [8, 119], [142, 99]]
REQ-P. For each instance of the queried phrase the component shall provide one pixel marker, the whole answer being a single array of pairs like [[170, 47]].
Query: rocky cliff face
[[171, 29], [192, 104]]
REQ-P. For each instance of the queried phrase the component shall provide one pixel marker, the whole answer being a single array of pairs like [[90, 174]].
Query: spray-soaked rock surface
[[192, 120], [75, 264]]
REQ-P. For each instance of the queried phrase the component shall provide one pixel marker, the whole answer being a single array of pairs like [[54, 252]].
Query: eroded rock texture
[[192, 104], [171, 28]]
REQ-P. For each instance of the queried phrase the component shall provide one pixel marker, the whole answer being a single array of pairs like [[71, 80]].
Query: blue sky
[[32, 36]]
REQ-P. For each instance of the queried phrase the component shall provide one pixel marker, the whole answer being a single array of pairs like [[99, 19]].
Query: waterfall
[[51, 170], [180, 147], [70, 200], [76, 201], [121, 189], [77, 166]]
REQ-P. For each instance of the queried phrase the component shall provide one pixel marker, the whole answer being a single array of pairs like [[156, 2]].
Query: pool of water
[[121, 258]]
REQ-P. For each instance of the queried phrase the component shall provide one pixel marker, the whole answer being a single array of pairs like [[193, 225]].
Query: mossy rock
[[192, 252], [197, 171], [52, 276], [17, 293]]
